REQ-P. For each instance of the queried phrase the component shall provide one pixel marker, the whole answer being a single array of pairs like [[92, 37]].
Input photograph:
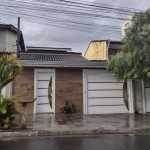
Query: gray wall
[[2, 40], [138, 96]]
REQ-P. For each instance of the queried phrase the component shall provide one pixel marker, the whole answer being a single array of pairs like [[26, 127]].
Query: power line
[[77, 29], [52, 10], [67, 12], [69, 21], [43, 11]]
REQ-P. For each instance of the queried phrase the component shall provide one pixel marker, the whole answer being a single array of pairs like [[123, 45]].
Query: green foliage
[[8, 64], [8, 111], [133, 59], [68, 107], [145, 130]]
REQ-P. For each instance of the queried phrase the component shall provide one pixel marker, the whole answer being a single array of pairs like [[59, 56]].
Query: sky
[[42, 35]]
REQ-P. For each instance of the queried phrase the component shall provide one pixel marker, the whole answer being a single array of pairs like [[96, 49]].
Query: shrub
[[8, 111], [9, 68], [68, 107]]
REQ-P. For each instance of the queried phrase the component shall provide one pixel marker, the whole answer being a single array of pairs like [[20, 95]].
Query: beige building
[[8, 38], [102, 49]]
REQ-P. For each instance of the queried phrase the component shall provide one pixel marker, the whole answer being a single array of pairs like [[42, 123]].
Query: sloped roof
[[52, 57], [67, 60], [63, 64], [59, 58]]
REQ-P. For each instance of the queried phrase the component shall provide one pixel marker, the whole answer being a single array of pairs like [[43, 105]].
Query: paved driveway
[[78, 123], [70, 124]]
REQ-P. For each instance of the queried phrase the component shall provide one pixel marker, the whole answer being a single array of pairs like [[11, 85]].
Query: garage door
[[104, 95]]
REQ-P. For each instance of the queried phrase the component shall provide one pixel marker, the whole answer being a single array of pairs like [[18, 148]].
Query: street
[[95, 142]]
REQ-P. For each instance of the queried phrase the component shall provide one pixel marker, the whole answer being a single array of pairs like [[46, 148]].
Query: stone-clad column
[[24, 115]]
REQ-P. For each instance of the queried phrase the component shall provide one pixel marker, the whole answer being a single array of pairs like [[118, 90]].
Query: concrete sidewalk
[[75, 124]]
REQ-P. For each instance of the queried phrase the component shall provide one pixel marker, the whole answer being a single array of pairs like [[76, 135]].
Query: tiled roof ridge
[[70, 53], [47, 47]]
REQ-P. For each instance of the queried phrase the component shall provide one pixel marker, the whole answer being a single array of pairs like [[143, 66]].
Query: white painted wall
[[7, 90], [126, 24], [8, 41], [4, 91], [11, 38]]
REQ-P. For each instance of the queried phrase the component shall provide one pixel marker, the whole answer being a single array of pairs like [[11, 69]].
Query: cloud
[[38, 34]]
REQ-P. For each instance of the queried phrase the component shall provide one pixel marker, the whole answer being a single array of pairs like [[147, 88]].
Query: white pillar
[[130, 96], [4, 91], [143, 96]]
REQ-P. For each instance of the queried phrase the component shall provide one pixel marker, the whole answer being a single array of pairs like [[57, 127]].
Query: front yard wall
[[69, 85]]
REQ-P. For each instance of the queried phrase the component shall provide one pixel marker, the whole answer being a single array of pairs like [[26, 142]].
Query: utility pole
[[18, 39]]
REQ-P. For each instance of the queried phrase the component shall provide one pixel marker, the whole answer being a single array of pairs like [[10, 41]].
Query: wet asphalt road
[[101, 142]]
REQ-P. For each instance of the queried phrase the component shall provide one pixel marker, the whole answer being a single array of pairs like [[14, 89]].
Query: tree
[[133, 59], [9, 68]]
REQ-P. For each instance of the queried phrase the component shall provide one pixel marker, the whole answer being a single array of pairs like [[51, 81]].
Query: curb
[[63, 133]]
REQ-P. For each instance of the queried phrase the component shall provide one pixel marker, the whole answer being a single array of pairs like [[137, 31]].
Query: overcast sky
[[36, 34]]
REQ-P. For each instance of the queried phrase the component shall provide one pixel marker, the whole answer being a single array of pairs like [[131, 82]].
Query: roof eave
[[63, 64], [54, 66]]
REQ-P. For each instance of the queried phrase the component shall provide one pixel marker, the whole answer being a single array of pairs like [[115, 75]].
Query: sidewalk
[[75, 124]]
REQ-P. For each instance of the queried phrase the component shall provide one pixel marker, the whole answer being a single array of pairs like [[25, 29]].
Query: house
[[141, 89], [102, 49], [135, 97], [8, 39], [53, 75]]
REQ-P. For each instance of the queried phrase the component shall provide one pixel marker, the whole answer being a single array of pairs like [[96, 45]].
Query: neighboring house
[[134, 100], [142, 95], [102, 49], [8, 39], [113, 97]]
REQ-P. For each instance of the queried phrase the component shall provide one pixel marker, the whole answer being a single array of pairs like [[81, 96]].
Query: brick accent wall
[[69, 85], [24, 93]]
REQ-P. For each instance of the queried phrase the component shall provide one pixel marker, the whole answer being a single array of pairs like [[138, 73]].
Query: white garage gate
[[102, 94]]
